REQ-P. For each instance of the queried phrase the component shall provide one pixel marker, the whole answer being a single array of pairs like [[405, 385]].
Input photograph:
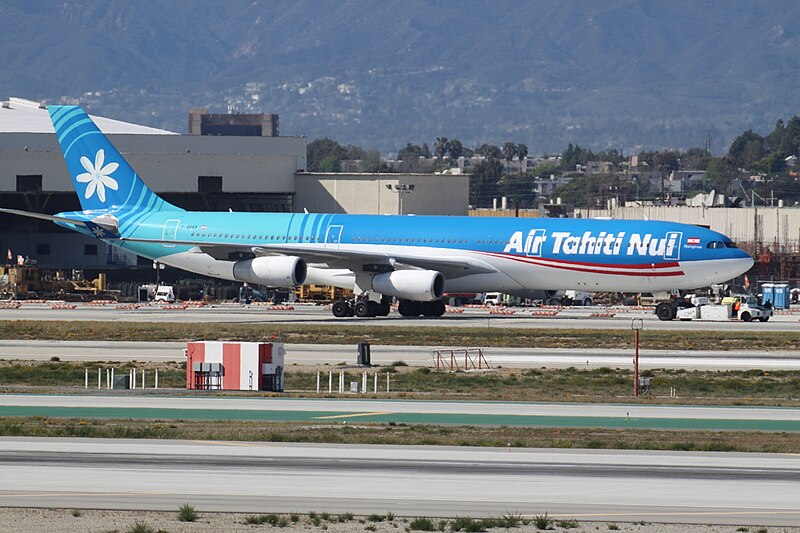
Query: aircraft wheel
[[406, 308], [385, 309], [439, 308], [746, 317], [665, 311], [361, 310], [373, 308], [340, 309]]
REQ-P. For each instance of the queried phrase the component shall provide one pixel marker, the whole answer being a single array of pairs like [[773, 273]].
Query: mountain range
[[619, 74]]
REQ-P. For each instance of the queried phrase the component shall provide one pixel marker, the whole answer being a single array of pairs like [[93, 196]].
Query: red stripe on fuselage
[[567, 265]]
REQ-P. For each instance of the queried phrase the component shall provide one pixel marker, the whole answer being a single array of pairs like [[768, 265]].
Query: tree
[[456, 149], [489, 151], [411, 151], [483, 184], [441, 147], [746, 149], [320, 150], [522, 151]]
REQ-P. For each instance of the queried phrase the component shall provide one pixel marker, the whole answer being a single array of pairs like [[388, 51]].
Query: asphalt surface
[[568, 318], [712, 488], [334, 354]]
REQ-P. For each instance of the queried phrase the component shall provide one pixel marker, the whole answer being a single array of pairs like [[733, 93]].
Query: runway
[[335, 354], [567, 318], [354, 410], [709, 488]]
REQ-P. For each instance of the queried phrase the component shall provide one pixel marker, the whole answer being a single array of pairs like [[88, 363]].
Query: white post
[[341, 382], [108, 378], [156, 378], [112, 377], [86, 384], [330, 381], [99, 377], [387, 383], [143, 377], [133, 387], [376, 383], [364, 384], [130, 378], [318, 373]]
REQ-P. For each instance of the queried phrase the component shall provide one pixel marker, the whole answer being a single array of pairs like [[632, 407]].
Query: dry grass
[[745, 339]]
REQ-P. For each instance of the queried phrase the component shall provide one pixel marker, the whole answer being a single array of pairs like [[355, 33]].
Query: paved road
[[570, 318], [333, 354], [125, 405], [710, 488]]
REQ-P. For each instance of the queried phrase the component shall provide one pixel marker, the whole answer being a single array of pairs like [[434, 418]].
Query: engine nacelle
[[278, 271], [420, 285]]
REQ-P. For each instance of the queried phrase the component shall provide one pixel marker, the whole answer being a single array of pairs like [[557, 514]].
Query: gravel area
[[23, 520]]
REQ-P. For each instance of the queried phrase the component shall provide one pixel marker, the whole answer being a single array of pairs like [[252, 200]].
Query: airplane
[[414, 259]]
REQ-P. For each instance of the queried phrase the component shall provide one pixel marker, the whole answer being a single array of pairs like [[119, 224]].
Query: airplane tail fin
[[102, 178]]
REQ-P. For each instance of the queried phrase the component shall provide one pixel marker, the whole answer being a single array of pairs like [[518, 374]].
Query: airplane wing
[[451, 265]]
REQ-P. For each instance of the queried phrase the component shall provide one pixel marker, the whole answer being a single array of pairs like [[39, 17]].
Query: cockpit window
[[715, 244], [730, 244]]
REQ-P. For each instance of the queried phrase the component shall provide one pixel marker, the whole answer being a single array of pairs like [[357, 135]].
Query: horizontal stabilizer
[[102, 227]]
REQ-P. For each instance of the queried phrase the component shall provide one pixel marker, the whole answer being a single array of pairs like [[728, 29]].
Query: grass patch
[[271, 519], [744, 339], [422, 524]]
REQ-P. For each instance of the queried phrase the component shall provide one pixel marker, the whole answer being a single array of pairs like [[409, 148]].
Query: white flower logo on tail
[[98, 176]]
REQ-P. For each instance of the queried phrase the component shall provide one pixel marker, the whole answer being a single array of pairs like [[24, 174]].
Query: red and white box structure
[[243, 366]]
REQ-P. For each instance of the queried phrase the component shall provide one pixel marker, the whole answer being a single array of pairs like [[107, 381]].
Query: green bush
[[187, 513], [422, 524], [542, 521]]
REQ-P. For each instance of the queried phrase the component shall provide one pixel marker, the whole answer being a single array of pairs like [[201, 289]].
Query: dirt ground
[[22, 520]]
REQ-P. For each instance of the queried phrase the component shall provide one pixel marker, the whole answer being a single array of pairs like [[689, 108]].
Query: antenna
[[708, 142]]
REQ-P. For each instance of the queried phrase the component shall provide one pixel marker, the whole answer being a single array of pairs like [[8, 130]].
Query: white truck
[[573, 297], [164, 293], [744, 307]]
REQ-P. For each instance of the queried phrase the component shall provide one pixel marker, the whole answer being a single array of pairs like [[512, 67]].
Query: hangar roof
[[18, 115]]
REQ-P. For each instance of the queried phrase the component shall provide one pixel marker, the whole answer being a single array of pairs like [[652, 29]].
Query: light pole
[[158, 267], [636, 326], [401, 189]]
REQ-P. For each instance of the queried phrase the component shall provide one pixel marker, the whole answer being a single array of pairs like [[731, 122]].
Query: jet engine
[[419, 285], [277, 271]]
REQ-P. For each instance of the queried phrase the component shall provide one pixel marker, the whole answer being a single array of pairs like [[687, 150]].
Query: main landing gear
[[364, 308], [360, 308], [414, 308]]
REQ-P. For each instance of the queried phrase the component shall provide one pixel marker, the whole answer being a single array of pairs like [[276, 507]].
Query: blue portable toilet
[[768, 294], [781, 296], [777, 294]]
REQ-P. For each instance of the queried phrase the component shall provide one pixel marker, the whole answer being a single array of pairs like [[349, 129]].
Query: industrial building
[[227, 162]]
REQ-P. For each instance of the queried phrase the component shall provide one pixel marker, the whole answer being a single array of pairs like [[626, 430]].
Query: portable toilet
[[768, 294], [780, 298]]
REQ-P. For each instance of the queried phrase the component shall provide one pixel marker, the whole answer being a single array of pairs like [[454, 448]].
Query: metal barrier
[[473, 359]]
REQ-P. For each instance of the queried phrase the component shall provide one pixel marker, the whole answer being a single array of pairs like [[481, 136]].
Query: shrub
[[187, 513], [542, 521], [141, 527], [422, 524], [76, 513], [567, 524]]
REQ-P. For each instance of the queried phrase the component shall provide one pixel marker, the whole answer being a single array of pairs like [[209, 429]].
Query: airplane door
[[332, 237], [170, 232]]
